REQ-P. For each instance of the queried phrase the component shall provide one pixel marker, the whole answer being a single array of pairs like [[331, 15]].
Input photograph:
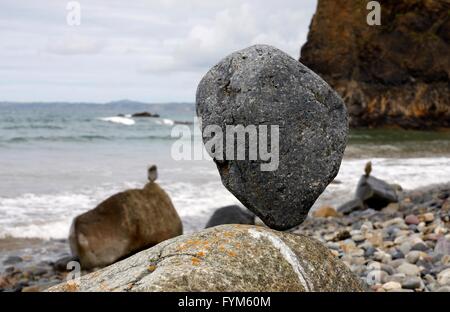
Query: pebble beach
[[402, 247]]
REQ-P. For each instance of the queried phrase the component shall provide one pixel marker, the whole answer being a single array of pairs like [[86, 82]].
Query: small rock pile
[[403, 247]]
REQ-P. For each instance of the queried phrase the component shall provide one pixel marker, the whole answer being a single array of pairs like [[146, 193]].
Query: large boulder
[[230, 215], [262, 85], [225, 258], [122, 225], [396, 73]]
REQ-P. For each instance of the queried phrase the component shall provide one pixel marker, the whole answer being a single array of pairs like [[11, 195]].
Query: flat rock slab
[[262, 85], [225, 258]]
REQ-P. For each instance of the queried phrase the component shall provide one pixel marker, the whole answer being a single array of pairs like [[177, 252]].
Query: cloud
[[73, 45], [149, 50], [231, 29]]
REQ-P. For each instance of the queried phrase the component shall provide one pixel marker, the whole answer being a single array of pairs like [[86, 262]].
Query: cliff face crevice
[[395, 74]]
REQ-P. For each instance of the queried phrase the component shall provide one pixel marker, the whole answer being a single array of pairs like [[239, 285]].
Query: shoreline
[[369, 242]]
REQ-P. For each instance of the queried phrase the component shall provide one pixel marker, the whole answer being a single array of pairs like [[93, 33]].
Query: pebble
[[412, 219], [358, 238], [413, 256], [405, 247], [366, 226], [397, 254], [443, 289], [443, 278], [396, 263], [409, 269], [427, 217], [412, 282], [392, 286], [442, 246], [445, 260], [398, 277], [395, 221], [420, 247], [421, 226], [369, 252], [375, 277], [382, 256]]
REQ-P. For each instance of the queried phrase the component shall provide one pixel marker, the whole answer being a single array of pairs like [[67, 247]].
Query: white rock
[[428, 217], [366, 226], [443, 278], [392, 286], [376, 277], [395, 221], [409, 269], [414, 256]]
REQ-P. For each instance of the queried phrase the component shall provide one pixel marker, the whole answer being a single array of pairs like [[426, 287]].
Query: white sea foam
[[120, 120], [165, 122], [410, 173], [196, 196]]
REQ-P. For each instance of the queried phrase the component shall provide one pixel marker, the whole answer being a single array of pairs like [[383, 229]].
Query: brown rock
[[325, 212], [412, 219], [122, 225], [394, 74], [226, 258], [426, 217]]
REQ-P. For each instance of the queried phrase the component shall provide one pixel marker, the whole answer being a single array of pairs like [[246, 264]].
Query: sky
[[145, 50]]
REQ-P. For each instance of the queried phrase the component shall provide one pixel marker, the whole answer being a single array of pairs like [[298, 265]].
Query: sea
[[58, 160]]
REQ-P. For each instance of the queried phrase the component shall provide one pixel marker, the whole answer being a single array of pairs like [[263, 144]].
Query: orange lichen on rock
[[195, 261], [71, 286], [104, 287], [200, 254], [232, 253]]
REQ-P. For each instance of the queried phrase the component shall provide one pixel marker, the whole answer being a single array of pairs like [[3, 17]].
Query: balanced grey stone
[[230, 215], [225, 258], [375, 193], [263, 86]]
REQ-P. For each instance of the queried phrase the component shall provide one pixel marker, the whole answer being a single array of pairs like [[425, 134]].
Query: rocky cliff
[[395, 74]]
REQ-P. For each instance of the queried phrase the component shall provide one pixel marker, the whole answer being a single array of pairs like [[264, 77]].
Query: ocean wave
[[80, 138], [85, 138], [119, 120], [165, 122], [49, 216], [196, 197], [34, 127]]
